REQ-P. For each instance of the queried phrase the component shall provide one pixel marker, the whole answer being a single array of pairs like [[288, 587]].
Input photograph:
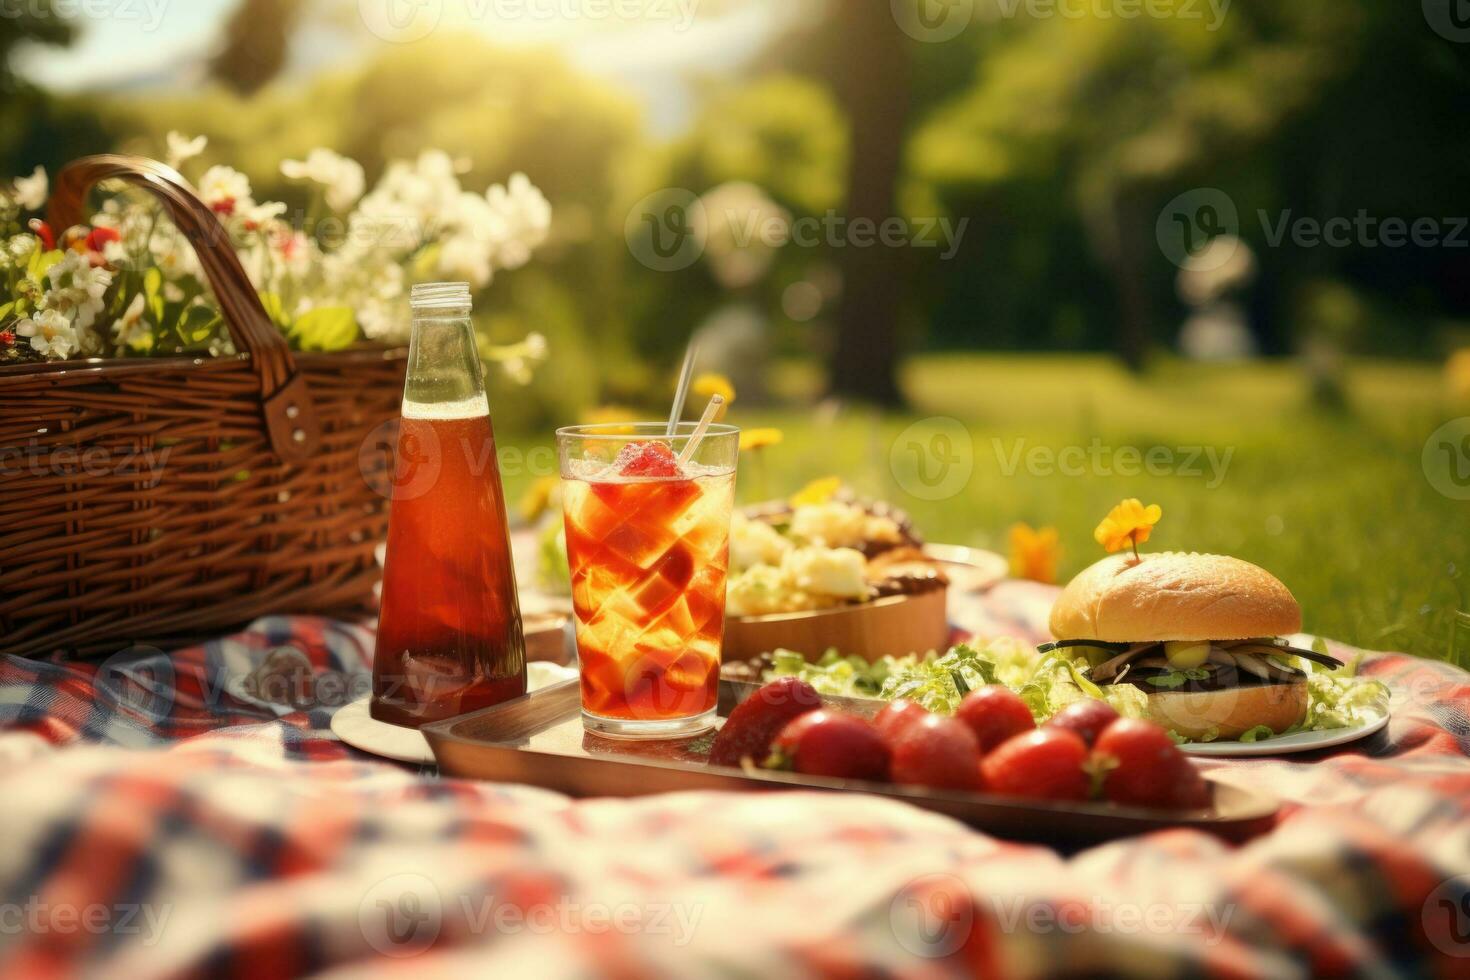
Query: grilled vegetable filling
[[1195, 665]]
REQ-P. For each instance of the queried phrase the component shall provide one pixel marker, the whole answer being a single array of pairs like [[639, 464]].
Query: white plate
[[1287, 744], [354, 725]]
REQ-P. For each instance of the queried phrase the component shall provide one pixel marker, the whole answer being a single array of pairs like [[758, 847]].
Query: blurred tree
[[256, 41], [875, 91], [1108, 114], [28, 23], [35, 22]]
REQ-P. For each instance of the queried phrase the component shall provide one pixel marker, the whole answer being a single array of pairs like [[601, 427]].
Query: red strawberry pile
[[991, 745]]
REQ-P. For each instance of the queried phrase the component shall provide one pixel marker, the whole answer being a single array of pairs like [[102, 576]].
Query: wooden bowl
[[894, 625]]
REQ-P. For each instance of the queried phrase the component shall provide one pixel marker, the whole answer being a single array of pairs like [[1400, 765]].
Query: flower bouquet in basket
[[256, 362], [130, 284]]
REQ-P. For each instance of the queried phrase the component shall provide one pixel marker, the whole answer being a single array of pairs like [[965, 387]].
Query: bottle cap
[[431, 297]]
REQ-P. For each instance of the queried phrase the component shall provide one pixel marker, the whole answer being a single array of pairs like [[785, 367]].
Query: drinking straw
[[682, 393], [699, 430]]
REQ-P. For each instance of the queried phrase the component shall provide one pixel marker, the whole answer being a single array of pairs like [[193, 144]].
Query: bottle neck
[[444, 360]]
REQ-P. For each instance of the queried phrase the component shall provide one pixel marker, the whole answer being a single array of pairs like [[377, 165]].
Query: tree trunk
[[875, 91]]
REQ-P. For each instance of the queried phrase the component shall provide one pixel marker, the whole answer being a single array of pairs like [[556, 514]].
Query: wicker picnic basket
[[154, 501]]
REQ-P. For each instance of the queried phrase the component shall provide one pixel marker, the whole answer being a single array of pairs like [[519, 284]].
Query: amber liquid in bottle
[[450, 638]]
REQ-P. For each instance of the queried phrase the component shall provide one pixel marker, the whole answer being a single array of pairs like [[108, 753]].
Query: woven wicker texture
[[154, 501]]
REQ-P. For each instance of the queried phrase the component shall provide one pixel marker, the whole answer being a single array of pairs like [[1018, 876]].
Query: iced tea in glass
[[449, 633], [648, 539]]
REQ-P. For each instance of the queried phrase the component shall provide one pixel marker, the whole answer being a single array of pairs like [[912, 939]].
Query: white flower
[[20, 247], [130, 330], [524, 220], [181, 149], [77, 289], [465, 257], [51, 334], [262, 215], [225, 190], [343, 177], [31, 192], [385, 320]]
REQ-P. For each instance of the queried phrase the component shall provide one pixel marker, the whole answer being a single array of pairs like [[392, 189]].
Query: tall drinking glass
[[449, 634], [648, 538]]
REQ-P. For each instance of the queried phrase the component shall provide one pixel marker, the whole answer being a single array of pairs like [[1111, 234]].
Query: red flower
[[98, 239], [44, 232], [7, 338]]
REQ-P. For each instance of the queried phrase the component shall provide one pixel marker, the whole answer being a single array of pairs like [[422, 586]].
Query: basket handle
[[291, 423]]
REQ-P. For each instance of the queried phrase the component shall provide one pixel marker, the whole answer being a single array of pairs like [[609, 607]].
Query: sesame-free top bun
[[1174, 596]]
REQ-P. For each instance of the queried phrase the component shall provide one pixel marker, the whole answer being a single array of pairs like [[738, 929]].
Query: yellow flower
[[608, 415], [538, 497], [1034, 553], [709, 384], [1129, 523], [817, 492], [1457, 374], [760, 438]]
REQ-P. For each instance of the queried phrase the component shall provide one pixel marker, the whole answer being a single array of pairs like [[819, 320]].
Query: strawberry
[[755, 722], [828, 743], [937, 752], [995, 713], [653, 459], [897, 716]]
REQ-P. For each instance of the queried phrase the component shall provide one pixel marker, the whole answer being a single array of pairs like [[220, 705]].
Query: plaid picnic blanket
[[191, 814]]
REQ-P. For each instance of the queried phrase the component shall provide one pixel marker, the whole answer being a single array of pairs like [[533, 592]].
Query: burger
[[1200, 635]]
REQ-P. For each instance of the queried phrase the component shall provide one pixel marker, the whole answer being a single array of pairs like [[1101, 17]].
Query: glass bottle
[[449, 635]]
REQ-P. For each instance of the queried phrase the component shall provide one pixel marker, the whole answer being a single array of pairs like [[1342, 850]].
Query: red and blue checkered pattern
[[169, 816]]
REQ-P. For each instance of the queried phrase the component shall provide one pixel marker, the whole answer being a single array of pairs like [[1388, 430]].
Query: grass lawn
[[1335, 504]]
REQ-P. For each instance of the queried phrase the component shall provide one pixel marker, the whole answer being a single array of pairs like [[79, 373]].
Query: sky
[[144, 43]]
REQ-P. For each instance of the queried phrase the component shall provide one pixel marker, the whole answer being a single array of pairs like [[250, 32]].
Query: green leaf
[[276, 310], [198, 324], [1257, 733], [6, 310], [42, 263], [153, 293], [326, 328]]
